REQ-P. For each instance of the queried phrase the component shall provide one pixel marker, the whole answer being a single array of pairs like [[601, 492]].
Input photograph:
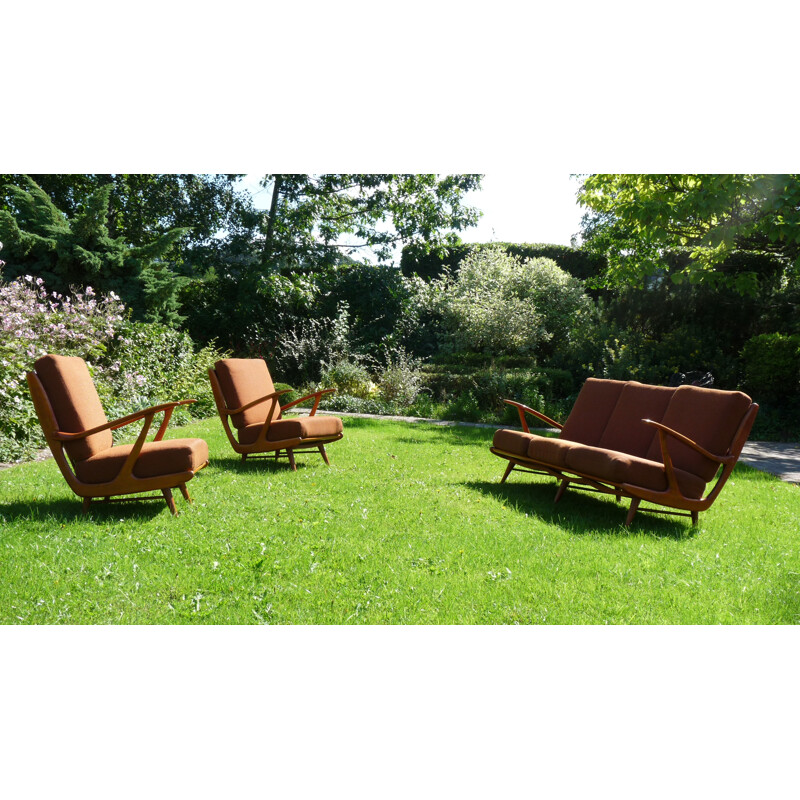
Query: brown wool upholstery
[[294, 428], [75, 403], [589, 416], [619, 468], [512, 441], [707, 416], [549, 451], [171, 456], [243, 380], [625, 430]]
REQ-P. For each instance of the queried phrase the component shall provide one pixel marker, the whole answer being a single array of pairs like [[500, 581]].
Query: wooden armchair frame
[[124, 482], [672, 497], [261, 447]]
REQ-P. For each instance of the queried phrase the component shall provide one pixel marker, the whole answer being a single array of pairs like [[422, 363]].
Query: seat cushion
[[512, 441], [169, 457], [294, 428], [625, 430], [619, 468], [76, 405], [243, 380], [709, 417], [549, 451], [591, 412]]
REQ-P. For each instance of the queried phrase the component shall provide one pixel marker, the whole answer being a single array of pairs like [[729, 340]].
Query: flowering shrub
[[133, 364]]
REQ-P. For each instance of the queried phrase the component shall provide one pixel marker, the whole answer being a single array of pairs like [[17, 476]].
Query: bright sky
[[534, 207]]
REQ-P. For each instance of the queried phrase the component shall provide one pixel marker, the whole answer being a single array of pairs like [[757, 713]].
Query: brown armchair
[[79, 436], [245, 395]]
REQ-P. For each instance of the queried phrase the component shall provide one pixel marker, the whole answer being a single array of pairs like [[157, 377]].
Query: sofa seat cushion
[[512, 441], [619, 468], [549, 450], [318, 426], [169, 457]]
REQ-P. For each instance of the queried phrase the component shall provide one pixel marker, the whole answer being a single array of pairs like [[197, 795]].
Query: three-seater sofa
[[657, 444]]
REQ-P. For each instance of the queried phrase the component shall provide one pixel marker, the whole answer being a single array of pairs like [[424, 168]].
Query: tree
[[313, 219], [77, 252], [634, 219], [142, 207]]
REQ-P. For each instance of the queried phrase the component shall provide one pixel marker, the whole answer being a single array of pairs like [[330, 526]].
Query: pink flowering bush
[[133, 364]]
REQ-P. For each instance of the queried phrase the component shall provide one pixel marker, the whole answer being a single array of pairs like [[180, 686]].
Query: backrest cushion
[[625, 430], [76, 405], [709, 417], [591, 411], [243, 380]]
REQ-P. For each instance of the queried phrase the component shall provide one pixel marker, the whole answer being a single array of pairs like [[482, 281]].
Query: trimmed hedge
[[578, 263]]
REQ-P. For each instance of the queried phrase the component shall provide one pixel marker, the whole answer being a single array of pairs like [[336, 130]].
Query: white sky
[[533, 207]]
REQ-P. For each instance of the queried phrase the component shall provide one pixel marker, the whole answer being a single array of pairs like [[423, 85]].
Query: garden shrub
[[348, 378], [771, 363], [500, 305], [399, 380], [133, 364]]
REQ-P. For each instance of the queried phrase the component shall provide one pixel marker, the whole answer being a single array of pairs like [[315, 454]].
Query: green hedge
[[771, 364], [578, 263]]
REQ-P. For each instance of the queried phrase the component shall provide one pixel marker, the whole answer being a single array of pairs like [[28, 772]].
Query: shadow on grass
[[581, 513], [69, 510], [236, 464]]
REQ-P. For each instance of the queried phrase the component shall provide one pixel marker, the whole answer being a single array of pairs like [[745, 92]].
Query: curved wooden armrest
[[523, 409], [318, 395], [126, 420], [264, 399], [689, 442]]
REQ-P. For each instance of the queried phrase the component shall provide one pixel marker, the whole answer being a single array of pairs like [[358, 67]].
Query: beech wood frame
[[262, 447], [124, 482], [671, 497]]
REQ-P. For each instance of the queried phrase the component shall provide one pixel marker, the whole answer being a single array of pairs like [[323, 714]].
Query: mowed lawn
[[409, 525]]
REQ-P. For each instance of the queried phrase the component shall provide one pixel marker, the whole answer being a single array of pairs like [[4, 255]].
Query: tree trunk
[[266, 253]]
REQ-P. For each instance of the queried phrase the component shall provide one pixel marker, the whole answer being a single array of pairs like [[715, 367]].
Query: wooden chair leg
[[170, 501], [185, 493], [87, 501], [695, 517], [632, 511], [562, 487], [290, 453], [324, 454], [244, 456], [507, 472]]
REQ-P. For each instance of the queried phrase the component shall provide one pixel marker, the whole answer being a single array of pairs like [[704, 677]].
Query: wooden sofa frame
[[672, 497]]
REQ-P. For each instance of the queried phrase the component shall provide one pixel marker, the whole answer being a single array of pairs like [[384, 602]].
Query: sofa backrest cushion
[[75, 403], [625, 430], [591, 412], [709, 417], [243, 380]]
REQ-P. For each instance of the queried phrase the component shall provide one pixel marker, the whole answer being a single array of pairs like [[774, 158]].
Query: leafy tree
[[142, 207], [634, 219], [314, 218], [78, 252]]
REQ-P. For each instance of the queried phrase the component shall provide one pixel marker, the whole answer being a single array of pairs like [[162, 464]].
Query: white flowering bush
[[499, 304], [133, 364]]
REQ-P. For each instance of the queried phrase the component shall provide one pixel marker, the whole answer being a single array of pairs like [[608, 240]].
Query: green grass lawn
[[408, 525]]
